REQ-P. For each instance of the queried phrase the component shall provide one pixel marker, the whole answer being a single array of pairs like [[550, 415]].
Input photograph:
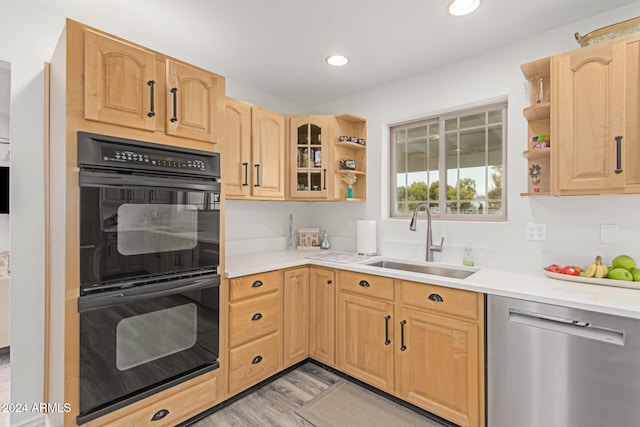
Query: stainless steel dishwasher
[[552, 366]]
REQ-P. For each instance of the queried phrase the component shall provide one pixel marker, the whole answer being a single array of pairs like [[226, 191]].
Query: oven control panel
[[151, 159]]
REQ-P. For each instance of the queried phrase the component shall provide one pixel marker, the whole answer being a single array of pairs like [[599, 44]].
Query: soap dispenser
[[467, 258], [325, 241]]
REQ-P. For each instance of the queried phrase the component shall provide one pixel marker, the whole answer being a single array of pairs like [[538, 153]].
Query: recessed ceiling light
[[463, 7], [337, 60]]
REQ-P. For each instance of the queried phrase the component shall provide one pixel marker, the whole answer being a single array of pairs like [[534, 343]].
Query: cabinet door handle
[[618, 154], [246, 174], [435, 298], [364, 284], [160, 415], [256, 316], [256, 284], [174, 91], [387, 341], [256, 360], [329, 282], [257, 184], [324, 181], [402, 346], [152, 84]]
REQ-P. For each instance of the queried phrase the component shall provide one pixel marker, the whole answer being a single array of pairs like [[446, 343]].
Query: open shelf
[[349, 144], [537, 153], [542, 193], [347, 172], [537, 112], [538, 116]]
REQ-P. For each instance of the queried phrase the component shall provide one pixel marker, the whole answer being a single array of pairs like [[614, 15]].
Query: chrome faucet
[[431, 248]]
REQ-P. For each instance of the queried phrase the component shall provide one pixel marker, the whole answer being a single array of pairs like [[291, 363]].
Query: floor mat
[[345, 404]]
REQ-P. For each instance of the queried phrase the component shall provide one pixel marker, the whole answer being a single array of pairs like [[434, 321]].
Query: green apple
[[620, 274], [624, 261], [636, 274]]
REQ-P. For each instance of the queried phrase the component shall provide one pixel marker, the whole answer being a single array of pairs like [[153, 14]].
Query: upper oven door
[[135, 227]]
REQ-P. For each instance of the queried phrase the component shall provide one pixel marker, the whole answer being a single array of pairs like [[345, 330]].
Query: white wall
[[573, 223]]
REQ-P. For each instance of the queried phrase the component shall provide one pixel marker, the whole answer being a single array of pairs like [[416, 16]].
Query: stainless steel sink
[[456, 273]]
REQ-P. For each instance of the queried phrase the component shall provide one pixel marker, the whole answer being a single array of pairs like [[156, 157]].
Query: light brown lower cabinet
[[295, 325], [365, 328], [253, 362], [322, 315], [439, 365], [182, 402], [440, 351], [255, 351]]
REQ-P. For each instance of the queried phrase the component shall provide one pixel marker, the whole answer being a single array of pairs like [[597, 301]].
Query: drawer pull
[[402, 346], [329, 282], [387, 341], [257, 284], [435, 297], [364, 284], [160, 415], [256, 360], [256, 316]]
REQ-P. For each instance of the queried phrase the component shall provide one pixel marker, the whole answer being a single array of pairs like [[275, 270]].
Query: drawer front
[[439, 298], [255, 284], [253, 362], [177, 408], [253, 318], [366, 284]]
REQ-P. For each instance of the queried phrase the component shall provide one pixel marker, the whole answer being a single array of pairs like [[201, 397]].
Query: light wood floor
[[274, 404]]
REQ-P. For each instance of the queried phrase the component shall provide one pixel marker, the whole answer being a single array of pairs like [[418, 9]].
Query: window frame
[[441, 118]]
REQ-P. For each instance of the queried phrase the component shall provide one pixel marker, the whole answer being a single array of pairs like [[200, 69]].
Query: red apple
[[554, 268], [570, 270]]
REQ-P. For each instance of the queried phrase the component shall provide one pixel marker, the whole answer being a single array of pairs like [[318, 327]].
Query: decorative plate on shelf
[[592, 280]]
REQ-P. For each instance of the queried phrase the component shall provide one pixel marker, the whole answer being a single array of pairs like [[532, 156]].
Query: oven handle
[[140, 293], [103, 179]]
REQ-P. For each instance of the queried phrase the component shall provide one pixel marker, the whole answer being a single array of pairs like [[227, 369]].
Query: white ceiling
[[280, 46]]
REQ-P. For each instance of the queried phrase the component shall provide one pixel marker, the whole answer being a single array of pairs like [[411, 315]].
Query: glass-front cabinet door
[[310, 157]]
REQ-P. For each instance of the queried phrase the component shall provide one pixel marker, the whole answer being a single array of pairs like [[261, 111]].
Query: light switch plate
[[535, 231]]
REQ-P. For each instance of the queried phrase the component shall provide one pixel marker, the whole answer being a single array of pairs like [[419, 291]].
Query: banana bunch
[[596, 269]]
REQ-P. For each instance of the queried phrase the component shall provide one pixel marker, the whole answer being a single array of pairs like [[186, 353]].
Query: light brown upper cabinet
[[253, 150], [236, 148], [310, 172], [595, 114], [119, 82], [194, 102], [267, 153], [127, 85]]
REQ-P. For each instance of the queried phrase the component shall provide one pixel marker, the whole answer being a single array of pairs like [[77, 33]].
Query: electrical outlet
[[535, 231]]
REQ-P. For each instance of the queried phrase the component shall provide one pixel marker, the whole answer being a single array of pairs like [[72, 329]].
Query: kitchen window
[[455, 162]]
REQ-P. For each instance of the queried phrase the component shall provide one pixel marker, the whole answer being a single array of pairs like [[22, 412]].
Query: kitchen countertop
[[532, 286]]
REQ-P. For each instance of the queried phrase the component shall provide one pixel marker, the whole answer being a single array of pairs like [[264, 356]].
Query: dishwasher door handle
[[567, 326]]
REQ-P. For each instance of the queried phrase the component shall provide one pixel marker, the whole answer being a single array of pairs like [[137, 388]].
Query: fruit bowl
[[592, 280]]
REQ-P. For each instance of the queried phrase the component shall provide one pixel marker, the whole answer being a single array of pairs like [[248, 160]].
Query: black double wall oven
[[149, 258]]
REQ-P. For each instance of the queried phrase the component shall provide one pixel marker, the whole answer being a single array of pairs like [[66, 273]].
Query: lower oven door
[[138, 341]]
